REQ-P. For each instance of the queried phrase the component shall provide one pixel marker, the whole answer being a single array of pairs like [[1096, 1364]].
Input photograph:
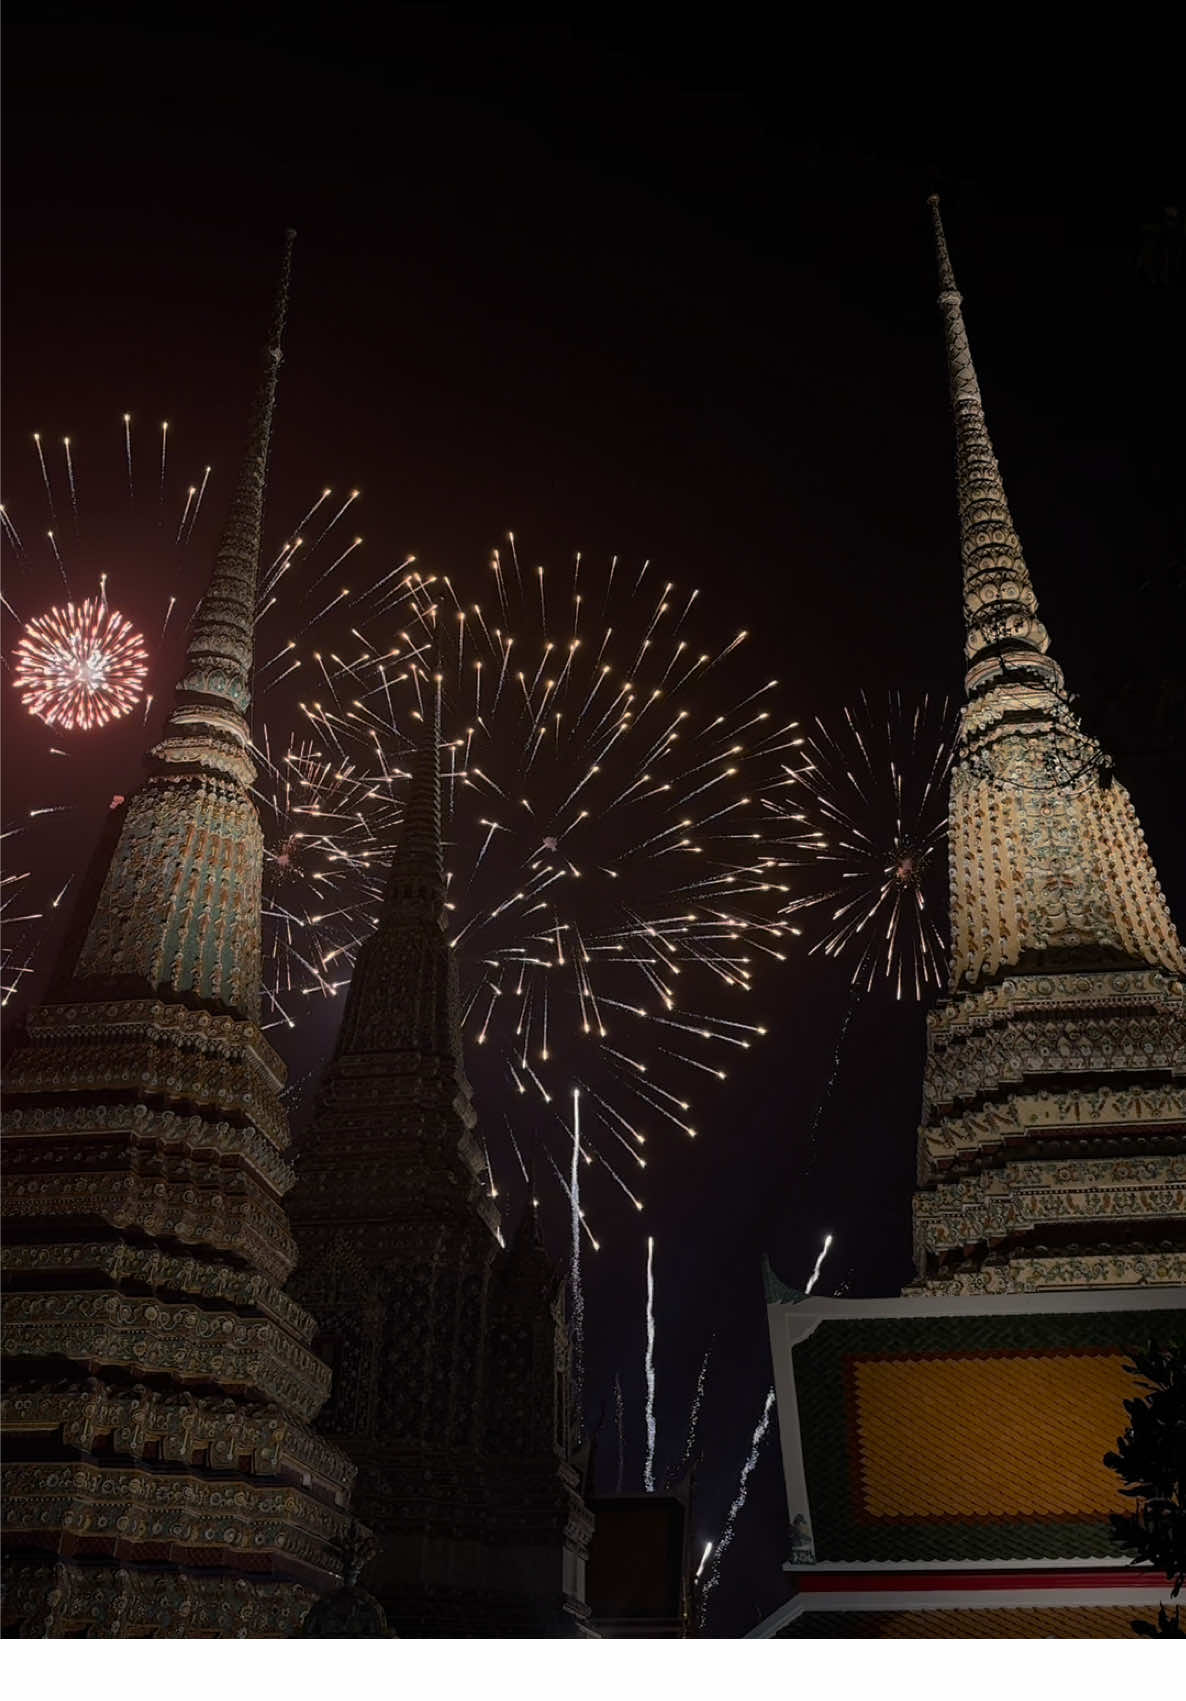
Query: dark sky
[[659, 297]]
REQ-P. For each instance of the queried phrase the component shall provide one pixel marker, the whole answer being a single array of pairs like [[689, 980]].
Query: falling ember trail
[[193, 519], [53, 544], [128, 454], [190, 494], [648, 1475], [10, 528], [747, 1470], [829, 1086], [819, 1264], [578, 1294], [164, 452], [45, 475], [70, 482], [620, 1415], [681, 1469]]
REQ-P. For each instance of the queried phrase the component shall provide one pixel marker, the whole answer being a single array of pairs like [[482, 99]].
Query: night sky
[[656, 298]]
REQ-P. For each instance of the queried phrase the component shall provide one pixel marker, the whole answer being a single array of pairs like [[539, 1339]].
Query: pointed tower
[[449, 1351], [944, 1451], [161, 1476], [1053, 1146]]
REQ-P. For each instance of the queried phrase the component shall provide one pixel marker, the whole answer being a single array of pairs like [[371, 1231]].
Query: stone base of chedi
[[161, 1474], [1053, 1148]]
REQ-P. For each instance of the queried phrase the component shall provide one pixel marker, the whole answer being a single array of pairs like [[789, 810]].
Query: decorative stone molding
[[150, 1336], [134, 1505], [1023, 1198], [64, 1599], [148, 1049], [1063, 1273], [119, 1262], [163, 1129], [1142, 1111], [229, 1219], [261, 1440]]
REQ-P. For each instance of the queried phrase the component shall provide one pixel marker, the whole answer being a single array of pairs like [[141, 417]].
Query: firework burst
[[81, 666], [328, 834], [864, 817], [610, 899]]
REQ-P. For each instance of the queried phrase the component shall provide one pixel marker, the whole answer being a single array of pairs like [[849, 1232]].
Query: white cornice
[[961, 1600]]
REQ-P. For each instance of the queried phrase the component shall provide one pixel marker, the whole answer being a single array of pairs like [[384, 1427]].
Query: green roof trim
[[776, 1290]]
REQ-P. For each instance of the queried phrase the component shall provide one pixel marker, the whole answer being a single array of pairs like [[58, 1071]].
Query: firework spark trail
[[189, 496], [819, 1264], [349, 550], [739, 1498], [128, 454], [680, 1470], [703, 1562], [352, 498], [193, 519], [10, 529], [304, 520], [53, 543], [70, 482], [49, 495], [648, 1474], [164, 452], [578, 1293], [620, 1415], [829, 1085]]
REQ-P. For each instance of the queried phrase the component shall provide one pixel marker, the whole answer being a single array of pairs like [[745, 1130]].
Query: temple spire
[[221, 651], [144, 1147], [1005, 638], [179, 911], [1048, 863], [419, 860]]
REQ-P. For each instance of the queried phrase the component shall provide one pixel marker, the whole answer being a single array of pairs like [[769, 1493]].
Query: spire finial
[[1000, 608], [221, 652], [947, 283]]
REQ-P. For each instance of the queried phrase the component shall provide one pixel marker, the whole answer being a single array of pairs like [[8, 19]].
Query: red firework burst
[[80, 666]]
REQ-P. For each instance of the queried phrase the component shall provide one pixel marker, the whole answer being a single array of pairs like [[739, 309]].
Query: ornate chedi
[[449, 1350], [161, 1474], [1053, 1144], [944, 1450]]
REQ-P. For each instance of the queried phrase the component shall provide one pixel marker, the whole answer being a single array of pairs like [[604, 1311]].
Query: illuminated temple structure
[[161, 1473], [943, 1452], [450, 1352], [164, 1474]]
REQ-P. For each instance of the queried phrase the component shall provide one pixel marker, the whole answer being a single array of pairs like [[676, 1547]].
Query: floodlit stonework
[[161, 1474], [1052, 1152]]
